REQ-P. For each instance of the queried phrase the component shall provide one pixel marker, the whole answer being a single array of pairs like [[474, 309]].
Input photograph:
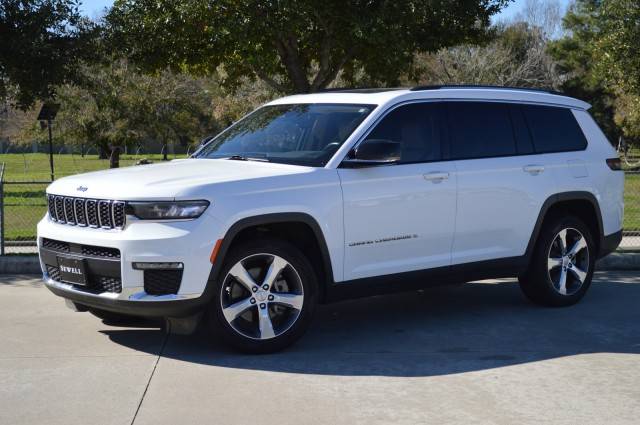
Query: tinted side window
[[554, 129], [416, 127], [480, 130], [524, 143]]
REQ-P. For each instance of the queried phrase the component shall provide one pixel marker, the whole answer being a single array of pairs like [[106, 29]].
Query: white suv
[[314, 198]]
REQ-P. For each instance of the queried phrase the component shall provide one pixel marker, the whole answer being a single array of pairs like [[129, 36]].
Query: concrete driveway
[[476, 353]]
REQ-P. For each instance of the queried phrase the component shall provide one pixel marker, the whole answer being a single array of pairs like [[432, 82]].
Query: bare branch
[[269, 80]]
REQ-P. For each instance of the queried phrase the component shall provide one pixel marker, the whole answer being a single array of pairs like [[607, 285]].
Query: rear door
[[501, 182], [400, 218]]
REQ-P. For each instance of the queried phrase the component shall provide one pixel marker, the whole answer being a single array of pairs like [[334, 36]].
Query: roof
[[383, 96]]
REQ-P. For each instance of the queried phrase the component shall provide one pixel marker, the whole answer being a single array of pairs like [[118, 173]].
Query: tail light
[[615, 164]]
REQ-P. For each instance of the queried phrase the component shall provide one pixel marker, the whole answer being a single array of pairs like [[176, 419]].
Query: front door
[[401, 217]]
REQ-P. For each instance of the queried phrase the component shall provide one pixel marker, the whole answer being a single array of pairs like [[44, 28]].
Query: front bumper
[[187, 242], [610, 243], [162, 306]]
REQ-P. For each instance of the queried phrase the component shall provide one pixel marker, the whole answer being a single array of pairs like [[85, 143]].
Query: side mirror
[[373, 152]]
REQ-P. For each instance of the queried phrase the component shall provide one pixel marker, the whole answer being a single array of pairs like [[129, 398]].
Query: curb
[[20, 264], [29, 264], [620, 261]]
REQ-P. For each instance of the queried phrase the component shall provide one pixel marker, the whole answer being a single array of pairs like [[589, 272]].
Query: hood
[[167, 180]]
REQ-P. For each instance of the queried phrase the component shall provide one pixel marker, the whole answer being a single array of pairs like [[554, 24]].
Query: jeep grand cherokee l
[[314, 198]]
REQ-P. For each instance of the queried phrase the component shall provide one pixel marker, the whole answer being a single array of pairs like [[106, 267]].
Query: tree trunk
[[104, 151], [114, 159], [287, 48], [164, 152]]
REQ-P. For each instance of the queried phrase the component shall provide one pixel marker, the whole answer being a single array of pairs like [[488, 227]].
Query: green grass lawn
[[35, 166], [632, 202], [25, 204]]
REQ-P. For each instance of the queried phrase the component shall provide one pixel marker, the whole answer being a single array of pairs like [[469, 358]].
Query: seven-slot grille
[[97, 213]]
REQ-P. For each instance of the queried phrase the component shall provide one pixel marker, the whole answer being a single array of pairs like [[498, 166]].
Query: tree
[[293, 45], [115, 106], [517, 57], [598, 58], [545, 15], [42, 43], [616, 52], [617, 47], [170, 108]]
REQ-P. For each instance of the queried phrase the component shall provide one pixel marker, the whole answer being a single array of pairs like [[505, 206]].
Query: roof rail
[[473, 86], [358, 89]]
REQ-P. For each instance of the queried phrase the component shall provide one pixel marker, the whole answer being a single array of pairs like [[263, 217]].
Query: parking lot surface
[[474, 353]]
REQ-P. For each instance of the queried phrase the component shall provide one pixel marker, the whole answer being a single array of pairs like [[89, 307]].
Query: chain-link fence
[[24, 177], [23, 204]]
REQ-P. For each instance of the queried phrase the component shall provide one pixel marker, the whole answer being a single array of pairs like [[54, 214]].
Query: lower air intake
[[162, 282]]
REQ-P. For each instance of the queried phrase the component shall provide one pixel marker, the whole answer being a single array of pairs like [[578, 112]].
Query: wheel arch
[[582, 204], [276, 223]]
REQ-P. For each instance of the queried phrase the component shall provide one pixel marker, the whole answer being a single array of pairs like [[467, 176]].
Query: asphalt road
[[476, 353]]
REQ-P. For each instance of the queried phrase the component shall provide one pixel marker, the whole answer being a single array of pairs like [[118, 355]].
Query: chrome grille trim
[[80, 212], [92, 213], [118, 215], [83, 212], [104, 214], [51, 204], [59, 207], [69, 213]]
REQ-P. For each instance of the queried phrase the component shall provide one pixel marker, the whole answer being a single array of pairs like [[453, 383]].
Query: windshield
[[301, 134]]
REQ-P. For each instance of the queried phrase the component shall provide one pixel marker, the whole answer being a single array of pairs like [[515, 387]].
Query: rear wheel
[[561, 269], [265, 296]]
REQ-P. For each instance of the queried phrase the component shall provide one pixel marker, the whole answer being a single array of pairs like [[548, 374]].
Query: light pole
[[48, 114]]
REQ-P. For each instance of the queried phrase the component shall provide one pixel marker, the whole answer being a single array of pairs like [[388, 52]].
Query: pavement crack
[[164, 343]]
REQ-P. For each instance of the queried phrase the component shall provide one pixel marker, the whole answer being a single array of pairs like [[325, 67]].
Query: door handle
[[436, 177], [534, 170]]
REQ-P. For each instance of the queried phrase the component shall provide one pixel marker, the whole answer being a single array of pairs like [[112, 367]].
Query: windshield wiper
[[246, 158]]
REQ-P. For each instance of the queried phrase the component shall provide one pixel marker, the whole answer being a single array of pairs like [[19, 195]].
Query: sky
[[94, 8], [515, 7]]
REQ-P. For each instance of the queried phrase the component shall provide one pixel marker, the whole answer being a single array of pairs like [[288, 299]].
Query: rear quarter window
[[553, 129]]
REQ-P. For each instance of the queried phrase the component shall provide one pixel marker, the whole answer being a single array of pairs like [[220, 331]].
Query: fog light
[[158, 266]]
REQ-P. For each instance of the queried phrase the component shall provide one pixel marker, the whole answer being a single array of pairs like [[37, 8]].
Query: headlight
[[179, 210]]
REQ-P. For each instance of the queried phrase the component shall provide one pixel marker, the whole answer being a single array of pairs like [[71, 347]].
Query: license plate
[[72, 270]]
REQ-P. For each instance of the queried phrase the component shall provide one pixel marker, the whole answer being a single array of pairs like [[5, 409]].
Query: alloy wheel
[[568, 261], [262, 296]]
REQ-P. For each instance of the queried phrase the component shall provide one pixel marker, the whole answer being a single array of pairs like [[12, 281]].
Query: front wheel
[[265, 296], [561, 269]]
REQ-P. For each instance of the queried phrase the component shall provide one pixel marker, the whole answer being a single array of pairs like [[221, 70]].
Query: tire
[[543, 281], [113, 318], [254, 319]]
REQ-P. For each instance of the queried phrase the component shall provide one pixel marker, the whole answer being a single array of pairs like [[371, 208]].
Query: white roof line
[[453, 93]]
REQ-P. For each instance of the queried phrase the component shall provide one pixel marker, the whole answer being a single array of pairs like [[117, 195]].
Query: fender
[[265, 219], [563, 197]]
